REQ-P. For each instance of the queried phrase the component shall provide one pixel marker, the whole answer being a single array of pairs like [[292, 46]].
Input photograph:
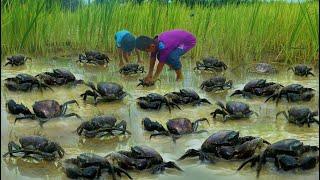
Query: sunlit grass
[[250, 32]]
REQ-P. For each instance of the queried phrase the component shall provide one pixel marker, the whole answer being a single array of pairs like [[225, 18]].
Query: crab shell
[[179, 126], [220, 138], [47, 108], [234, 107]]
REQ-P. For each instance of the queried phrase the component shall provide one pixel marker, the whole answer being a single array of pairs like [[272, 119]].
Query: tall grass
[[275, 31]]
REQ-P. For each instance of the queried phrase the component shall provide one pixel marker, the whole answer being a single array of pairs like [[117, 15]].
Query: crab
[[36, 147], [140, 158], [58, 77], [216, 83], [277, 150], [143, 83], [293, 93], [301, 70], [24, 82], [176, 127], [108, 91], [226, 144], [233, 110], [101, 125], [155, 101], [48, 109], [16, 109], [94, 57], [189, 96], [300, 116], [262, 68], [17, 60], [210, 64], [89, 165], [131, 69], [258, 87]]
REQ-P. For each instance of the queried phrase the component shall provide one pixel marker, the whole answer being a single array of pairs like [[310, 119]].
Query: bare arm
[[138, 55], [126, 56], [151, 66], [158, 71], [120, 57]]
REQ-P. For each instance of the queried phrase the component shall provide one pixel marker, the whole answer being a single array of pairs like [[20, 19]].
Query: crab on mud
[[58, 77], [107, 91], [155, 101], [48, 109], [210, 64], [233, 110], [131, 69], [91, 166], [262, 68], [293, 93], [36, 147], [176, 127], [143, 83], [24, 82], [17, 60], [186, 96], [301, 70], [16, 109], [141, 158], [258, 87], [226, 144], [102, 125], [94, 57], [216, 83], [300, 116], [285, 152]]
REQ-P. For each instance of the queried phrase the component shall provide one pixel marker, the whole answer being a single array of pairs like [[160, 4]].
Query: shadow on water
[[62, 130]]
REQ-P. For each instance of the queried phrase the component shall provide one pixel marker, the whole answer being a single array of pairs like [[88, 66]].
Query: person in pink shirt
[[167, 48]]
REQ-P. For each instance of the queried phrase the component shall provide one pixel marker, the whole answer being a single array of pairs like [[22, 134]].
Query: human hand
[[148, 79], [121, 64]]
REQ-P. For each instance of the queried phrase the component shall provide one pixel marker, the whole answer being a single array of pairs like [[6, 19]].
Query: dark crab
[[258, 87], [102, 125], [293, 93], [300, 116], [301, 70], [189, 96], [233, 110], [143, 83], [108, 91], [24, 82], [89, 165], [94, 57], [131, 69], [140, 158], [17, 60], [210, 64], [262, 68], [36, 147], [47, 109], [176, 127], [155, 101], [16, 109], [287, 147], [226, 144], [59, 77], [216, 83]]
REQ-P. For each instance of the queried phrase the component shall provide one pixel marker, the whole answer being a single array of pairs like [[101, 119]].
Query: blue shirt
[[119, 35]]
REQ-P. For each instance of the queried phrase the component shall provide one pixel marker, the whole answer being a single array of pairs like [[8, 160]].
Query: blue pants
[[174, 59]]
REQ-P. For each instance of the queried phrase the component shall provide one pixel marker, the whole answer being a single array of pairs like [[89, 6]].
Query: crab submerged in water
[[262, 68], [210, 64], [287, 155], [216, 83], [226, 144], [258, 87], [48, 109], [300, 116], [17, 60], [108, 91], [36, 147], [24, 82], [91, 166], [176, 127], [141, 158], [301, 70], [94, 57], [58, 77], [155, 101], [102, 125], [131, 69], [233, 110]]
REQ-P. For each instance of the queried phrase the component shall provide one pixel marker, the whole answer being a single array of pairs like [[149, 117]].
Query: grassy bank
[[260, 31]]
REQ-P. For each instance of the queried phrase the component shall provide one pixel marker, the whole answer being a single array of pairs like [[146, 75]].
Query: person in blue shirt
[[126, 43]]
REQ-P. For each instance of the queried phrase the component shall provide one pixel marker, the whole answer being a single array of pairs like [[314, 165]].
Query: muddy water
[[61, 130]]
